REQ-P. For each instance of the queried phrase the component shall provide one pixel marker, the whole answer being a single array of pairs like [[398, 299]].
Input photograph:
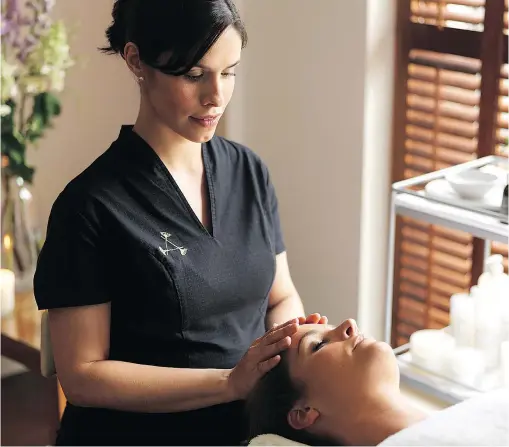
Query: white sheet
[[480, 421]]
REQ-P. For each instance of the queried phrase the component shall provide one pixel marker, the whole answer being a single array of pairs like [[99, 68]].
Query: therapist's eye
[[318, 345], [193, 76]]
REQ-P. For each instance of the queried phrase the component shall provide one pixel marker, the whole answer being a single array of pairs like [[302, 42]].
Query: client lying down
[[335, 387]]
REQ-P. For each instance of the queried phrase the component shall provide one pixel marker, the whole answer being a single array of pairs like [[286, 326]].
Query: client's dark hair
[[171, 35], [270, 402]]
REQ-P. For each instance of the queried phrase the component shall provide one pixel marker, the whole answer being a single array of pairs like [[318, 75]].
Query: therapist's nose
[[347, 329]]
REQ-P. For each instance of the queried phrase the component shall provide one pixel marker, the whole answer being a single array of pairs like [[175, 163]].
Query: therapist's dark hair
[[171, 35], [271, 400]]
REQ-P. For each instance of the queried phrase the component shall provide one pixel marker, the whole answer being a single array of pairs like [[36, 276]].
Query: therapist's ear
[[301, 417]]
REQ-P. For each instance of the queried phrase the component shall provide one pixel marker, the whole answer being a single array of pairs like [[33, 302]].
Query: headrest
[[273, 440]]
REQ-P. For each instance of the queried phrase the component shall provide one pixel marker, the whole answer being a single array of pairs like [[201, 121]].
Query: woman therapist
[[164, 263]]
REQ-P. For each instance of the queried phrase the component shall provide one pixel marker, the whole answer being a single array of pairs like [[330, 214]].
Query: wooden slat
[[443, 108], [455, 235], [457, 143], [410, 173], [502, 120], [414, 277], [503, 87], [416, 250], [400, 341], [438, 14], [450, 62], [443, 288], [432, 324], [459, 265], [410, 316], [439, 316], [461, 280], [443, 156], [414, 235], [419, 224], [407, 329], [446, 125], [445, 93], [445, 77], [414, 263], [438, 299], [447, 141], [452, 157], [409, 303], [471, 3], [420, 163], [503, 104], [409, 289], [451, 248], [459, 236]]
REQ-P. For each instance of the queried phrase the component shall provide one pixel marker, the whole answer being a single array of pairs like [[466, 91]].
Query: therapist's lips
[[206, 121]]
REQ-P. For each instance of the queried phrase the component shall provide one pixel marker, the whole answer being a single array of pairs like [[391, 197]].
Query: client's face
[[339, 367]]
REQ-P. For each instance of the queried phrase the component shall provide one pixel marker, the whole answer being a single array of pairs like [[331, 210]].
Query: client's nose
[[347, 329]]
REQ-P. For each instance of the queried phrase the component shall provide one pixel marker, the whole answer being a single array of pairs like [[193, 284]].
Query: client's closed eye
[[316, 346]]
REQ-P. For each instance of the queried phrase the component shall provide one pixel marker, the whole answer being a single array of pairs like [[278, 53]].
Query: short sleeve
[[70, 268], [276, 221]]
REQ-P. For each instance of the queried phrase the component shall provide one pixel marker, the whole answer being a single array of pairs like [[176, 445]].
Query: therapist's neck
[[375, 419], [174, 150]]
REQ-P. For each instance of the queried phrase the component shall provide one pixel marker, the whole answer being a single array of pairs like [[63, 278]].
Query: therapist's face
[[191, 105], [339, 368]]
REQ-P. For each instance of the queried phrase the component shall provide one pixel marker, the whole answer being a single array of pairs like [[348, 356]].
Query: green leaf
[[11, 145], [46, 106]]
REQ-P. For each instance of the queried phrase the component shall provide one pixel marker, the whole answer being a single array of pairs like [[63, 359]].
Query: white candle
[[504, 356], [463, 319], [7, 281], [430, 349], [466, 366]]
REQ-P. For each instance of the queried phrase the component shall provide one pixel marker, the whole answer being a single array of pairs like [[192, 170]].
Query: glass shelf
[[495, 165]]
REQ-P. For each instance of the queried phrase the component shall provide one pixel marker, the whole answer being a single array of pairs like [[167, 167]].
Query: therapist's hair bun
[[171, 35]]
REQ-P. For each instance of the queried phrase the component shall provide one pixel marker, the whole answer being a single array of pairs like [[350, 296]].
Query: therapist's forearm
[[144, 388], [286, 309]]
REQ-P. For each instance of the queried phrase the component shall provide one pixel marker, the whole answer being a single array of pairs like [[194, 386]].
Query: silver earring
[[141, 79]]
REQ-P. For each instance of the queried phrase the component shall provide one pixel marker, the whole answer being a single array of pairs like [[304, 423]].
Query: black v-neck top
[[181, 295]]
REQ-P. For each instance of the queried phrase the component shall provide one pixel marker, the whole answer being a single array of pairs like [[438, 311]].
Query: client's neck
[[376, 419]]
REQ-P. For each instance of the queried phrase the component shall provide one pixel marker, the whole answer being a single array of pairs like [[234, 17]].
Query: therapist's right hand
[[261, 357]]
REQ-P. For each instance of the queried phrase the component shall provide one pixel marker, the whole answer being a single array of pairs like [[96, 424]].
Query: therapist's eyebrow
[[207, 68], [307, 334]]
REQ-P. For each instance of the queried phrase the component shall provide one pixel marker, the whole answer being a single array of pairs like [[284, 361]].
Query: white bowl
[[472, 184]]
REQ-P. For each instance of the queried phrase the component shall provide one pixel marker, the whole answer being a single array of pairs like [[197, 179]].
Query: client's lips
[[358, 340]]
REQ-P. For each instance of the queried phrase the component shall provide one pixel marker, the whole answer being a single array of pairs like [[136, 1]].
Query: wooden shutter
[[502, 132], [450, 107]]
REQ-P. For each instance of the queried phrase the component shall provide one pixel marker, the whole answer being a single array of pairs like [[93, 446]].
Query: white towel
[[480, 421]]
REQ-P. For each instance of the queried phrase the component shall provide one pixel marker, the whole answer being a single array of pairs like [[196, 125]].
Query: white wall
[[100, 95], [313, 100]]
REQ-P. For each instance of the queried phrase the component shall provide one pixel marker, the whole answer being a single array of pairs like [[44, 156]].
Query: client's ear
[[301, 417]]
